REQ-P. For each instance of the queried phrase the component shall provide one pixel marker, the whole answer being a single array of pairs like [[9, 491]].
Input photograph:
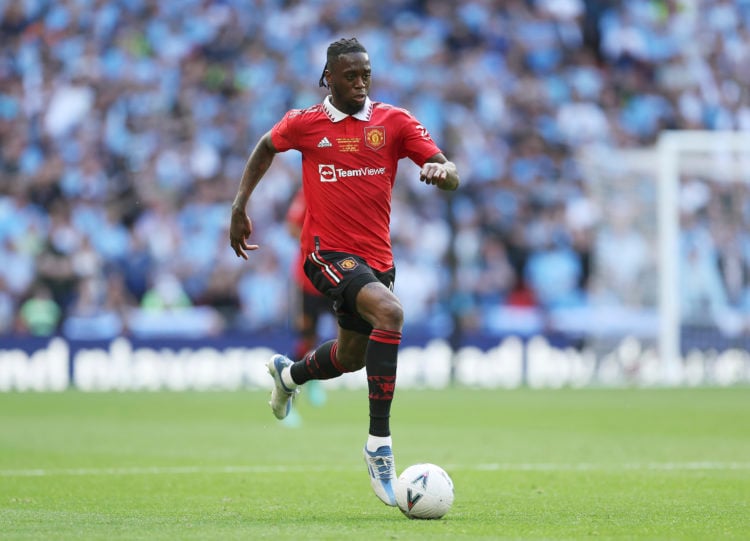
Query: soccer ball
[[424, 491]]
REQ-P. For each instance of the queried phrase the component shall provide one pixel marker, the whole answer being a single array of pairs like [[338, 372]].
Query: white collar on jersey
[[337, 116]]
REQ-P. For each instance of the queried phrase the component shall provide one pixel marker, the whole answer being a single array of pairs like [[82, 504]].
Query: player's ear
[[323, 81]]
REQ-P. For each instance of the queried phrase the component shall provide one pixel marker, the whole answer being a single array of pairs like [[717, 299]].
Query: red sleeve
[[417, 144], [283, 133]]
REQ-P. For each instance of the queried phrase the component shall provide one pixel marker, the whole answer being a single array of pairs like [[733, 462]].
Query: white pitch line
[[165, 470], [645, 466], [508, 466]]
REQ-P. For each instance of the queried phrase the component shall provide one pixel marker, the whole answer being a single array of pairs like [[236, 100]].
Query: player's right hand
[[433, 173], [240, 229]]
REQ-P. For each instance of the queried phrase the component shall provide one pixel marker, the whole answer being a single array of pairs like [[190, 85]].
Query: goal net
[[671, 259]]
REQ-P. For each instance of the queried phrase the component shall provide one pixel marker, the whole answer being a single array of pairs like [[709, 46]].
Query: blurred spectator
[[94, 313], [124, 127], [264, 292], [553, 275], [624, 256], [39, 315], [166, 293], [7, 309], [167, 310]]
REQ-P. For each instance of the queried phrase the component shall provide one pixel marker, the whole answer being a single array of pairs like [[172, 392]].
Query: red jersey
[[349, 165]]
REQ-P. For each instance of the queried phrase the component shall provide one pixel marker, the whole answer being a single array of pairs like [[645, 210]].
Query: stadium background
[[124, 127]]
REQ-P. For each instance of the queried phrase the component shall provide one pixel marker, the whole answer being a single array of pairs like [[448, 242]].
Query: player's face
[[349, 81]]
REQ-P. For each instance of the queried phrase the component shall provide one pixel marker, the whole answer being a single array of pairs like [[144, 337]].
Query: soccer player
[[350, 149]]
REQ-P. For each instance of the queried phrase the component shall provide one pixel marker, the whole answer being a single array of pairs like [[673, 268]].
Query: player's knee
[[389, 315]]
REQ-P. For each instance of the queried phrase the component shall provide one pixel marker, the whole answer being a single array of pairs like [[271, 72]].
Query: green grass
[[566, 464]]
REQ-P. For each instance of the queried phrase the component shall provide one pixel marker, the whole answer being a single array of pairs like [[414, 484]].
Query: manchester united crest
[[375, 137], [348, 264]]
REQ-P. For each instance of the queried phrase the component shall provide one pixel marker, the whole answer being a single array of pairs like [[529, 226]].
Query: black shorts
[[340, 276]]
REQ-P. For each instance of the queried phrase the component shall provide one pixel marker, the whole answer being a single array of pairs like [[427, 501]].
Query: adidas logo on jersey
[[324, 143]]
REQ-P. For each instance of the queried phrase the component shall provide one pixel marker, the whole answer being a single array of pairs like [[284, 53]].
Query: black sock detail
[[318, 364], [381, 361]]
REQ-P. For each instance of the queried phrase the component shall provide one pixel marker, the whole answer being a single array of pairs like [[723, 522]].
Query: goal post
[[672, 249], [718, 156]]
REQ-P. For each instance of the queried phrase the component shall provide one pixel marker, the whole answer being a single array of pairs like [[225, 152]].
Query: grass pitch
[[565, 464]]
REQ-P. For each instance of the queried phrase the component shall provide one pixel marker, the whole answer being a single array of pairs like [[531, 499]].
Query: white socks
[[286, 378], [376, 442]]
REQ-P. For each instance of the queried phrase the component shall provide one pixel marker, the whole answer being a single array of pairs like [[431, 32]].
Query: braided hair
[[337, 48]]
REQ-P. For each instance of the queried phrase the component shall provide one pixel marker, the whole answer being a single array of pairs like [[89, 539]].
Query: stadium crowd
[[125, 125]]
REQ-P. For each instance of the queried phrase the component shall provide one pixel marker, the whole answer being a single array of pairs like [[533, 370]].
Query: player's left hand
[[433, 173]]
